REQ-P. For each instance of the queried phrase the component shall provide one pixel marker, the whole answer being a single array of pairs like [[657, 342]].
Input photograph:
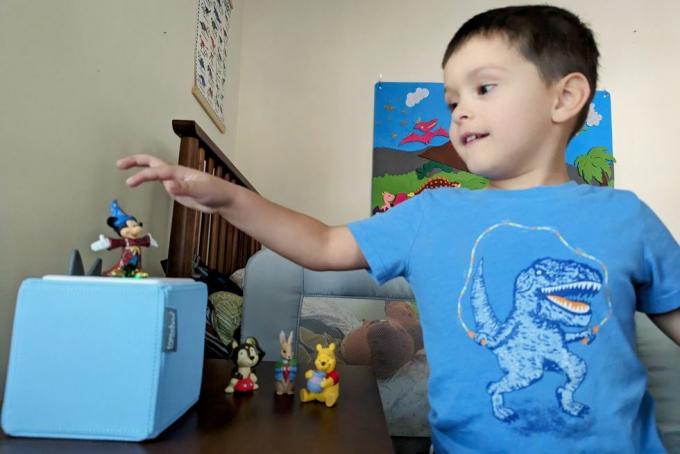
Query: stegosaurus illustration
[[549, 296]]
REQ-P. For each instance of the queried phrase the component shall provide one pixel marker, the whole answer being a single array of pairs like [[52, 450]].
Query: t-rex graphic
[[549, 295]]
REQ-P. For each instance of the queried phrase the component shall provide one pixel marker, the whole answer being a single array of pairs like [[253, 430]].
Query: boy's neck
[[539, 177]]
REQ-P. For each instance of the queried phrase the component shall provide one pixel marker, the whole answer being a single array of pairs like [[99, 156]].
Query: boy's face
[[501, 118]]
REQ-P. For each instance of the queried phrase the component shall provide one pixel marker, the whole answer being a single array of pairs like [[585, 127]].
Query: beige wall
[[83, 83]]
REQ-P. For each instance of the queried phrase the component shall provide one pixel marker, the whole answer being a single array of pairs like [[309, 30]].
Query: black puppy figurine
[[246, 356]]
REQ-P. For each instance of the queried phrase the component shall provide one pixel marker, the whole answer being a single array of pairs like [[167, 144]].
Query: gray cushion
[[275, 293], [275, 287], [662, 358]]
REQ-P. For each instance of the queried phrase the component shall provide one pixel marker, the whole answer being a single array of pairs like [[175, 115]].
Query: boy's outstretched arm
[[669, 323], [296, 236]]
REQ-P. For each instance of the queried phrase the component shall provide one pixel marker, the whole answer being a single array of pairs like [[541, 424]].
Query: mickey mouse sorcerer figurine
[[132, 240]]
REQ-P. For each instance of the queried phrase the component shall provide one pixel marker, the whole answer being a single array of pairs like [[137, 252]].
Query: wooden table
[[259, 423]]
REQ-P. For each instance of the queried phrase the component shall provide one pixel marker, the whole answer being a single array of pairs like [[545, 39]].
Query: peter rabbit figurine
[[285, 369]]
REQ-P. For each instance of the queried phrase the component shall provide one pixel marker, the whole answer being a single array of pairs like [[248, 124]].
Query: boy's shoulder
[[622, 198], [606, 191], [617, 203], [574, 189], [570, 196]]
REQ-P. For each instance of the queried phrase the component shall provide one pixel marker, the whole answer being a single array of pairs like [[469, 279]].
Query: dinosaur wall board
[[412, 151]]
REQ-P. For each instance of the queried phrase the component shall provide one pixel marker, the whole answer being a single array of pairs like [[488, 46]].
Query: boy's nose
[[460, 114]]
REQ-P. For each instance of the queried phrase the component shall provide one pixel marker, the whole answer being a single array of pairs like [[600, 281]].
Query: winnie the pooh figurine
[[323, 382]]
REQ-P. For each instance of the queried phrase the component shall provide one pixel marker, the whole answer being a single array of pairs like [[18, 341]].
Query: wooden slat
[[253, 248], [239, 249], [184, 220], [199, 163], [230, 247], [215, 228], [222, 247], [206, 220], [233, 263], [243, 246], [222, 243], [232, 244], [233, 254]]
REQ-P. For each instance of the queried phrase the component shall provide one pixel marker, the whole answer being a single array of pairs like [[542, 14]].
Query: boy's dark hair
[[553, 39]]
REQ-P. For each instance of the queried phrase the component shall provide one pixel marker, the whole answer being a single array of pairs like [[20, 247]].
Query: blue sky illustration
[[394, 118], [399, 105], [598, 129]]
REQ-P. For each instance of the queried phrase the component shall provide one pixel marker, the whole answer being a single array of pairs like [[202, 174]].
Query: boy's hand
[[192, 188], [298, 237]]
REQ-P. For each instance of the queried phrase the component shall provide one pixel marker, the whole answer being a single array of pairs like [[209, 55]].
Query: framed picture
[[210, 76]]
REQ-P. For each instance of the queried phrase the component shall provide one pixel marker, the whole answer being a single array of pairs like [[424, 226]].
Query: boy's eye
[[486, 88], [452, 106]]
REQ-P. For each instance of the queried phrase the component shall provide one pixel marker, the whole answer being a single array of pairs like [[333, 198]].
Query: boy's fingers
[[199, 192], [140, 160], [187, 188], [163, 173]]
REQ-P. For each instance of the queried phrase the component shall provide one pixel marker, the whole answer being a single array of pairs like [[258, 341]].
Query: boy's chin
[[486, 171]]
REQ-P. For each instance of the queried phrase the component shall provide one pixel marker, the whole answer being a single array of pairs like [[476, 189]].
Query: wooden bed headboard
[[192, 233]]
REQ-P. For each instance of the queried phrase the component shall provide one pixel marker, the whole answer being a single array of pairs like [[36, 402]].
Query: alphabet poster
[[212, 32]]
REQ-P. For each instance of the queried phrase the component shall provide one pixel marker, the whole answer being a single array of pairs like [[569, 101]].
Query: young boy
[[526, 290]]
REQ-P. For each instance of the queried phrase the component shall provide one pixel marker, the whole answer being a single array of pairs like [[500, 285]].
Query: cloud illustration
[[594, 118], [415, 97]]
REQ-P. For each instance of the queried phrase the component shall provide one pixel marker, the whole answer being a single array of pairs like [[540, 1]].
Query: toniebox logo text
[[170, 331]]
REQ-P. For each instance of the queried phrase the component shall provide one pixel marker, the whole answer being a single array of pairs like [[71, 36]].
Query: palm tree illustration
[[595, 165]]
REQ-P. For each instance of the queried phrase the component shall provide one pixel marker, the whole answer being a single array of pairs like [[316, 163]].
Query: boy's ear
[[572, 92]]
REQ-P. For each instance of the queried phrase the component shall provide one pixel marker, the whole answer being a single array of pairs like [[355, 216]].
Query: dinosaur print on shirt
[[549, 295]]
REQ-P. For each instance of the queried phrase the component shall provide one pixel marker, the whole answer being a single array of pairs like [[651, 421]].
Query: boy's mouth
[[470, 137]]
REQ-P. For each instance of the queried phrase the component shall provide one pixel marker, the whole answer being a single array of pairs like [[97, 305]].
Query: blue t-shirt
[[527, 302]]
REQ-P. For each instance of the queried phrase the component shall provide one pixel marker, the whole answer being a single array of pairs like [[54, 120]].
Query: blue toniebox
[[103, 358]]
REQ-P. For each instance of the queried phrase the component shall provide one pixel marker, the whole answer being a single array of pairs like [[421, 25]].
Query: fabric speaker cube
[[103, 358]]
